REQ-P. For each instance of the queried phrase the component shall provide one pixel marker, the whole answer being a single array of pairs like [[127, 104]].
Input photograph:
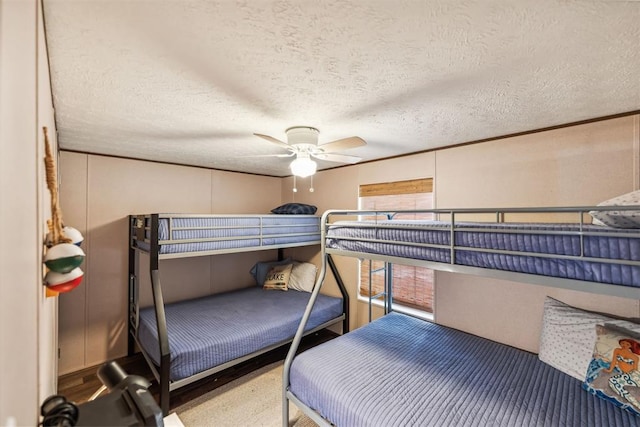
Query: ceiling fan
[[302, 142]]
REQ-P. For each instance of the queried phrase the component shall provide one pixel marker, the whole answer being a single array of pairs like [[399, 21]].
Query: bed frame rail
[[145, 228], [500, 215]]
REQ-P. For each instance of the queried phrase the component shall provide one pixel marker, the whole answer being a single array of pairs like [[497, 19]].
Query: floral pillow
[[278, 277], [613, 373], [568, 336]]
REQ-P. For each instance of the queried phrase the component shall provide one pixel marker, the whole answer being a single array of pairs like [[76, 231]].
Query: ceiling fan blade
[[342, 144], [340, 158], [272, 155], [273, 140]]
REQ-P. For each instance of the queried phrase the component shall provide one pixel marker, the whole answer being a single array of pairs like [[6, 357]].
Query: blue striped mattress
[[221, 232], [207, 332], [401, 371], [394, 238]]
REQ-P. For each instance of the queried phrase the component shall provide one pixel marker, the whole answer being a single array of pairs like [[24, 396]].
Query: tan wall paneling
[[27, 319], [580, 165], [116, 188], [510, 312], [238, 193], [73, 305], [399, 169]]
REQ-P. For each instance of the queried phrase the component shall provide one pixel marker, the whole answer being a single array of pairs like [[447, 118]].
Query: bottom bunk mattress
[[207, 332], [402, 371]]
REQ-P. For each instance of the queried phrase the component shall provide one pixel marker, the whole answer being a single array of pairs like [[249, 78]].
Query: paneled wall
[[97, 195], [580, 165], [28, 363]]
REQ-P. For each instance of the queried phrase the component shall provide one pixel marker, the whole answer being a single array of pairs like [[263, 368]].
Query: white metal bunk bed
[[188, 340], [397, 369]]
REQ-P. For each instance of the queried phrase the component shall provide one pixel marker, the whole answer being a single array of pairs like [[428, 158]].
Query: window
[[412, 286]]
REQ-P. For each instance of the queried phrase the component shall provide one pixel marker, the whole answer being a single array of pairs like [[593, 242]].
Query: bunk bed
[[186, 341], [399, 370]]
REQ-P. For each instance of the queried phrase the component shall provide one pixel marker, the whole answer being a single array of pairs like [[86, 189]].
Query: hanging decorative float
[[64, 255]]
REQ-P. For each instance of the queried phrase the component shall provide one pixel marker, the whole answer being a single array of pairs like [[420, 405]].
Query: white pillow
[[569, 335], [620, 219], [303, 276]]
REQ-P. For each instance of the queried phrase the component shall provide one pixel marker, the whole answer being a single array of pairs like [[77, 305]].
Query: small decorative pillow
[[260, 269], [620, 219], [278, 277], [295, 209], [303, 276], [568, 336], [613, 373]]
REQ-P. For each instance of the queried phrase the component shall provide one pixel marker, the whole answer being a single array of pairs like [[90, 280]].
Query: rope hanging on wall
[[55, 223], [64, 255]]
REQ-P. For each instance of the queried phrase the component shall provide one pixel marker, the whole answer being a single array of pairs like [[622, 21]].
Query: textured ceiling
[[189, 82]]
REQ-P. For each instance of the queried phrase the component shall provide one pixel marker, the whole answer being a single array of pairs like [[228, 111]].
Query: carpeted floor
[[253, 400]]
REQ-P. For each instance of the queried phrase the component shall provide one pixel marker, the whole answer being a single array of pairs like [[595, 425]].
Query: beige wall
[[27, 317], [97, 195], [580, 165]]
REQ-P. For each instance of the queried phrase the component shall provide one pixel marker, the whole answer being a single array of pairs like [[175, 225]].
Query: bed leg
[[164, 385], [285, 409]]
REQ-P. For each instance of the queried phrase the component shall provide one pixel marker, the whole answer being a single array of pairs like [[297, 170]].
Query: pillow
[[303, 276], [613, 372], [295, 208], [278, 277], [620, 219], [260, 269], [568, 336]]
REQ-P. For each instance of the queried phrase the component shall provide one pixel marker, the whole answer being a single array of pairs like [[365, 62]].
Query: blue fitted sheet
[[223, 232], [401, 371], [207, 332], [394, 238]]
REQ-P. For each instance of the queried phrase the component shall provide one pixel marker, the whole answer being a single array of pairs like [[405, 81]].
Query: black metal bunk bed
[[333, 383], [159, 331]]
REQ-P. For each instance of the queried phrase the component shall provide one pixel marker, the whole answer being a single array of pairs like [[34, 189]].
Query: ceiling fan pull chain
[[295, 187], [311, 189]]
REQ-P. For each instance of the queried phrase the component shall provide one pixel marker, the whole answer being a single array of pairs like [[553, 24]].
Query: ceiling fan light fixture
[[303, 167]]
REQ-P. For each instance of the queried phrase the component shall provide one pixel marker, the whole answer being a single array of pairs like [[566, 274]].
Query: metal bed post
[[161, 321], [343, 291], [303, 322], [388, 285], [133, 298]]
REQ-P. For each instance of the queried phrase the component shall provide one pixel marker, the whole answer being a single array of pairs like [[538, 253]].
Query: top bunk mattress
[[209, 234], [399, 370], [209, 331], [588, 252]]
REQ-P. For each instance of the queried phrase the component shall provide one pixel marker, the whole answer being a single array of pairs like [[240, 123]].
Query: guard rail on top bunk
[[144, 237], [449, 250]]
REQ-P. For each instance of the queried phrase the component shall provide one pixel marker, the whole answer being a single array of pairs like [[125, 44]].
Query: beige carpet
[[251, 401]]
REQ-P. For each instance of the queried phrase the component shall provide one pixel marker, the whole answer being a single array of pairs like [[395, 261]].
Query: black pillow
[[295, 208]]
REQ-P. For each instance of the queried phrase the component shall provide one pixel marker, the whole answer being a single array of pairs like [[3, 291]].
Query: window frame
[[414, 186]]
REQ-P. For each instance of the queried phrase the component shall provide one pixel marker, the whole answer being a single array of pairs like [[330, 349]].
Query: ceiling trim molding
[[462, 144]]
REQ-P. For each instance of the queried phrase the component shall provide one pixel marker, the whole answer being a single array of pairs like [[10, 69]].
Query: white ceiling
[[189, 82]]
